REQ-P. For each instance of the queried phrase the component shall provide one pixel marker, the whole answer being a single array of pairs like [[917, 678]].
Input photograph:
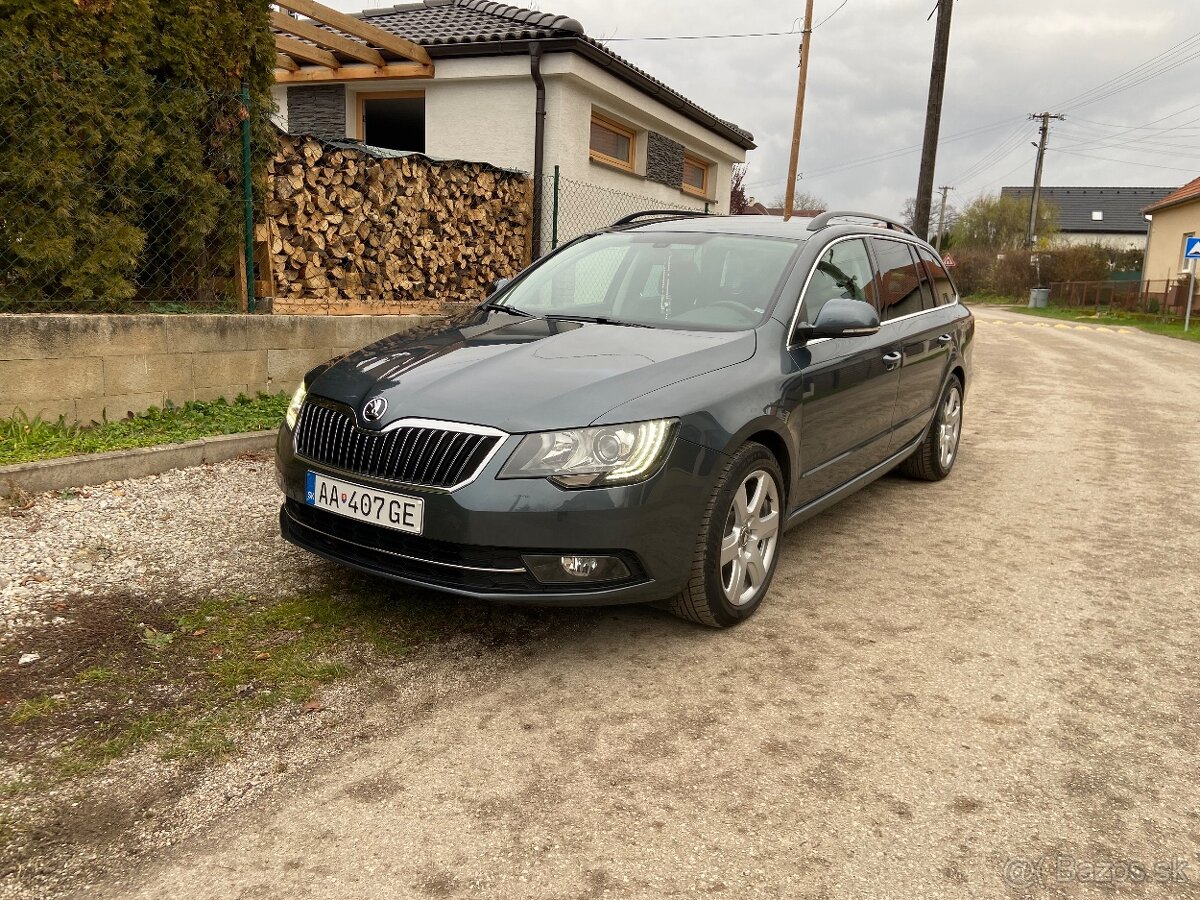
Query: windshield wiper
[[512, 310], [596, 320]]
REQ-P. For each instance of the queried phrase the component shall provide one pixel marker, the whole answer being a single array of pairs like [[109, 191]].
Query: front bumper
[[474, 537]]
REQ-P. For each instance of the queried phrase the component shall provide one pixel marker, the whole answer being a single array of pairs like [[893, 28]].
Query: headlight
[[593, 457], [293, 410]]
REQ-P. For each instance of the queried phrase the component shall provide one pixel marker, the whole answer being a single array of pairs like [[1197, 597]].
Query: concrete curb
[[97, 468]]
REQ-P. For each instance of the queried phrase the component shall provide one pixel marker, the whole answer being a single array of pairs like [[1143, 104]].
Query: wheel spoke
[[729, 548], [756, 566], [737, 580], [757, 497], [768, 524], [741, 512]]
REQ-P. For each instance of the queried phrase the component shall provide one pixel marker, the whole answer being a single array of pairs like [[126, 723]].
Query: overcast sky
[[869, 77]]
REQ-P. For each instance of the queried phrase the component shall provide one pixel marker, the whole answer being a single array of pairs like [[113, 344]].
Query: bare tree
[[738, 201], [804, 200]]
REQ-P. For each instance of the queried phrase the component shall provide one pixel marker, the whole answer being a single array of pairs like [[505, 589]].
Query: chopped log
[[350, 231]]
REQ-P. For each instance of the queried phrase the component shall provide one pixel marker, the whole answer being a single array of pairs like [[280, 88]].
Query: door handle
[[944, 339], [893, 359]]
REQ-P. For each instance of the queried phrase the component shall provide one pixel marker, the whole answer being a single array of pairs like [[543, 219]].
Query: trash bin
[[1038, 297]]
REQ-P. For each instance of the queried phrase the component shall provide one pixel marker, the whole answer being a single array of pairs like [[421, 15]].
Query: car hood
[[523, 374]]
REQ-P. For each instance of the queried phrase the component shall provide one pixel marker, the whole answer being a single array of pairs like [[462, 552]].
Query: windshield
[[718, 282]]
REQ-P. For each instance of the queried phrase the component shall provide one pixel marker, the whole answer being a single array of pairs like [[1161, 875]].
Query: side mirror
[[498, 285], [842, 318]]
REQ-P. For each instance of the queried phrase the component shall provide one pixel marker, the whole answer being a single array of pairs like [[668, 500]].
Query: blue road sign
[[1192, 250]]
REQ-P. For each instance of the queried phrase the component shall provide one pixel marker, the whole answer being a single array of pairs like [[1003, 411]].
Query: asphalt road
[[951, 686]]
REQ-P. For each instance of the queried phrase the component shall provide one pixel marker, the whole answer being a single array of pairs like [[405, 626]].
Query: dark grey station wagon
[[637, 417]]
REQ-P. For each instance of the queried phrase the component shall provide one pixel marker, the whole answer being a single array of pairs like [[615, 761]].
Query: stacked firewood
[[350, 231]]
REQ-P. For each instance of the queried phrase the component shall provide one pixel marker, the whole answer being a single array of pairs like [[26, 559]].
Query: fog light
[[572, 569]]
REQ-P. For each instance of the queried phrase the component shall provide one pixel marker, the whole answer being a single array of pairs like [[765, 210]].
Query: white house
[[521, 89]]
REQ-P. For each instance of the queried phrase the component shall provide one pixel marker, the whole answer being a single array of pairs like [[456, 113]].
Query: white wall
[[576, 87], [482, 110], [1128, 241]]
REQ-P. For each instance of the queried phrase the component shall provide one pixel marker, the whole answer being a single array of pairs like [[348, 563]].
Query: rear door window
[[943, 287], [900, 288]]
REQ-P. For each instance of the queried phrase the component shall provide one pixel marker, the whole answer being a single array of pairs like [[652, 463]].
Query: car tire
[[739, 541], [935, 457]]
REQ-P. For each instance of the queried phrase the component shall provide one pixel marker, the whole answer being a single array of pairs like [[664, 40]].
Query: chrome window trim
[[812, 271], [918, 245], [414, 422]]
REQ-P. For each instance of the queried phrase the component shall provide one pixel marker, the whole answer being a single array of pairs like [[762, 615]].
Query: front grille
[[426, 456]]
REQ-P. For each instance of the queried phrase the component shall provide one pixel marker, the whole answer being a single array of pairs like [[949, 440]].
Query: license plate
[[365, 504]]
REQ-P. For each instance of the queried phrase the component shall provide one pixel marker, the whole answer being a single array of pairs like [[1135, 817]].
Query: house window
[[612, 143], [392, 119], [695, 176], [1097, 215]]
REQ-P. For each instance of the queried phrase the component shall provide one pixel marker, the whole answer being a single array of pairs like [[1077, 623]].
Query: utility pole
[[945, 189], [805, 42], [1037, 174], [933, 118]]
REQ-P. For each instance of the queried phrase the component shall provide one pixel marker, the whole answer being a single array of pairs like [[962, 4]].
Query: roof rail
[[826, 217], [658, 214]]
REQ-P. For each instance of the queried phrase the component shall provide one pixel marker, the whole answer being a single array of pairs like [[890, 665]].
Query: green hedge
[[120, 147]]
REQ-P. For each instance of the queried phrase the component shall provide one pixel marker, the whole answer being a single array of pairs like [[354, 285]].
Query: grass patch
[[24, 440], [33, 709], [1116, 317], [187, 678]]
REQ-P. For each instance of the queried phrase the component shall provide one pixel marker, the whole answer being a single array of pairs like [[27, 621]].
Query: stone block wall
[[83, 367]]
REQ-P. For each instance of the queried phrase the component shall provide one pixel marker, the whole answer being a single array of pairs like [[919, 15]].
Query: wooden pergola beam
[[283, 61], [354, 27], [327, 39], [300, 50], [308, 74]]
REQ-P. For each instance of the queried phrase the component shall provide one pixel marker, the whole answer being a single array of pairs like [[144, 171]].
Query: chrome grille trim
[[426, 453]]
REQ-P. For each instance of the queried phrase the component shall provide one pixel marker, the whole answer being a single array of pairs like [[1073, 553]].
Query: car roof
[[795, 228]]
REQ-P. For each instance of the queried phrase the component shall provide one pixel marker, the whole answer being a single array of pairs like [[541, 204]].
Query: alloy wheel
[[950, 427], [751, 537]]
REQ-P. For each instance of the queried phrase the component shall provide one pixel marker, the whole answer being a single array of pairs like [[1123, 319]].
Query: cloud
[[869, 78]]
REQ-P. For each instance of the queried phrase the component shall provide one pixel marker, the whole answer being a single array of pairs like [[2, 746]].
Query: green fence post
[[554, 214], [247, 198]]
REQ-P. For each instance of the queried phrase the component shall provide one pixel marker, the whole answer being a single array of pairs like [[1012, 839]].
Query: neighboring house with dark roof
[[495, 83], [1111, 216], [1173, 219]]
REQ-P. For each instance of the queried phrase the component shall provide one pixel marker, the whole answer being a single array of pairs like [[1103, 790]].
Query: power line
[[886, 155], [702, 37], [996, 154], [831, 15], [1166, 65], [1135, 71], [1127, 162]]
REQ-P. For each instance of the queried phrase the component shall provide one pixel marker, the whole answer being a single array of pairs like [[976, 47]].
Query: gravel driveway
[[986, 687]]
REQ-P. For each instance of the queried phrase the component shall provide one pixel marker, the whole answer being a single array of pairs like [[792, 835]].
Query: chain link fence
[[136, 204], [123, 192], [571, 208], [1166, 300]]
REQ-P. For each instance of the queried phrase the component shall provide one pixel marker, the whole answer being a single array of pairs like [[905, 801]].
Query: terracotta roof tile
[[1189, 191]]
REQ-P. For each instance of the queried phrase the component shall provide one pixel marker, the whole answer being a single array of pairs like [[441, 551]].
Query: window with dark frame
[[612, 143]]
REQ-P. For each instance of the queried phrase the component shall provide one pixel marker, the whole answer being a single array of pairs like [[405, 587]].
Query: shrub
[[120, 143]]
